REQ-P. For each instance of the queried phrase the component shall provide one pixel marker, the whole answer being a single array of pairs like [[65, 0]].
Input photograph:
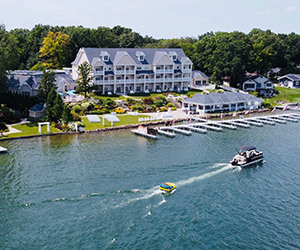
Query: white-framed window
[[174, 57], [97, 78], [138, 68], [105, 58], [138, 88], [141, 58], [97, 69], [119, 68]]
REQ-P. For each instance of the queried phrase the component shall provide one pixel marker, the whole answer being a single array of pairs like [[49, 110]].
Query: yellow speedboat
[[167, 186]]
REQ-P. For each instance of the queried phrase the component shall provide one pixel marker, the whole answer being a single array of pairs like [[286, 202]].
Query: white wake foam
[[203, 176]]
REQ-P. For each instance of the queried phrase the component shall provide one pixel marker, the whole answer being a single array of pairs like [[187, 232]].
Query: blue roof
[[109, 73], [40, 107]]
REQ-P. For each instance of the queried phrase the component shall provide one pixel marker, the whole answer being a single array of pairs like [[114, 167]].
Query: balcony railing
[[169, 70], [150, 80], [98, 72], [159, 71], [130, 72], [186, 70], [178, 79], [108, 81], [118, 72], [168, 79]]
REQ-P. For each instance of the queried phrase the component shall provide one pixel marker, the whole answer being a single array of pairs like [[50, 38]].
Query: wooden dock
[[165, 133]]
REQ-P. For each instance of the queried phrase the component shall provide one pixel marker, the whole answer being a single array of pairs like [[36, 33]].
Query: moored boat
[[247, 156], [167, 186]]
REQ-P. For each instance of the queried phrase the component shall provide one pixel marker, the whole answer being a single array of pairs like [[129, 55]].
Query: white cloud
[[290, 9]]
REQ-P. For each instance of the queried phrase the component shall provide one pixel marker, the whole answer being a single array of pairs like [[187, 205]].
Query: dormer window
[[104, 56], [140, 55], [173, 55]]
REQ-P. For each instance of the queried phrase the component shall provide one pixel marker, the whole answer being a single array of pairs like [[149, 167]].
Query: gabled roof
[[151, 54], [227, 97], [196, 73], [293, 77], [40, 107], [33, 78]]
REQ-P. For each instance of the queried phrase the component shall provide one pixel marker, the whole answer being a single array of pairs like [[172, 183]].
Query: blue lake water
[[101, 191]]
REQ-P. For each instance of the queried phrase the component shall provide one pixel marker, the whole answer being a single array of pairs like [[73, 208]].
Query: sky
[[156, 18]]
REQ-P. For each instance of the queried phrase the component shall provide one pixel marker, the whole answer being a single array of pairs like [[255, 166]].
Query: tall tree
[[47, 83], [85, 78], [57, 109], [49, 105], [55, 50], [66, 114]]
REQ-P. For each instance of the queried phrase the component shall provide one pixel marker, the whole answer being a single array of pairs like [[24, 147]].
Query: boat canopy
[[246, 148]]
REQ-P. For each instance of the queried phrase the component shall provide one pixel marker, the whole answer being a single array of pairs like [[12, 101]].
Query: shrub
[[138, 108], [77, 109], [119, 110], [170, 105], [163, 109], [130, 101], [173, 108], [267, 105], [3, 127], [148, 100]]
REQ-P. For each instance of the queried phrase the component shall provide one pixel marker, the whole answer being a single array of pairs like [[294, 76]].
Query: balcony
[[130, 72], [140, 80], [159, 79], [169, 70], [186, 70], [108, 81], [150, 80], [118, 72], [129, 81], [159, 71], [178, 79], [168, 79], [98, 72]]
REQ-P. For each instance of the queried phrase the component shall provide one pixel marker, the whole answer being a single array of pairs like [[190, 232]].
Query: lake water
[[101, 191]]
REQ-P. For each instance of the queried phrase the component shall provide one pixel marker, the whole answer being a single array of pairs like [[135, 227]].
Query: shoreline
[[130, 126]]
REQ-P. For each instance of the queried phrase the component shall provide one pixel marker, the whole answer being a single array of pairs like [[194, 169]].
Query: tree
[[66, 115], [85, 78], [55, 50], [47, 83], [57, 109], [49, 105]]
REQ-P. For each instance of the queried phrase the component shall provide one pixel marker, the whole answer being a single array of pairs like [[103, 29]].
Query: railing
[[120, 72], [129, 81], [98, 72], [159, 79], [179, 79], [159, 71], [149, 80], [130, 72], [169, 79], [186, 70], [169, 70], [140, 80], [108, 81]]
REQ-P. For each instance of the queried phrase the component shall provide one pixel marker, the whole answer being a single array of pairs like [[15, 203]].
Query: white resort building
[[120, 70], [217, 102]]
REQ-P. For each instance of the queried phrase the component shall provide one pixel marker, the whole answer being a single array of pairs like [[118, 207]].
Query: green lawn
[[124, 120], [30, 129], [286, 95]]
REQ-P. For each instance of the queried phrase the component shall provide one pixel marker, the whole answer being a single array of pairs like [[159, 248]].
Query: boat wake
[[203, 176]]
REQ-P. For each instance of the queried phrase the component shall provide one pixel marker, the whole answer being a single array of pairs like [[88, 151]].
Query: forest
[[221, 55]]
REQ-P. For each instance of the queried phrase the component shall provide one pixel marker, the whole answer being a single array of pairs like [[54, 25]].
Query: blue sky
[[157, 18]]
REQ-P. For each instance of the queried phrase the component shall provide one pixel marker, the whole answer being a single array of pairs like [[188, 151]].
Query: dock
[[165, 133], [3, 150], [202, 125], [137, 132], [238, 123], [177, 129], [208, 127]]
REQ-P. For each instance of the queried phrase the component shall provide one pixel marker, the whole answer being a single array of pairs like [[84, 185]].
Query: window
[[158, 67], [138, 88], [174, 58], [119, 77], [106, 78], [105, 58], [119, 68], [118, 89], [97, 78], [258, 85], [200, 106], [138, 68], [141, 58], [97, 69], [157, 77], [127, 68]]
